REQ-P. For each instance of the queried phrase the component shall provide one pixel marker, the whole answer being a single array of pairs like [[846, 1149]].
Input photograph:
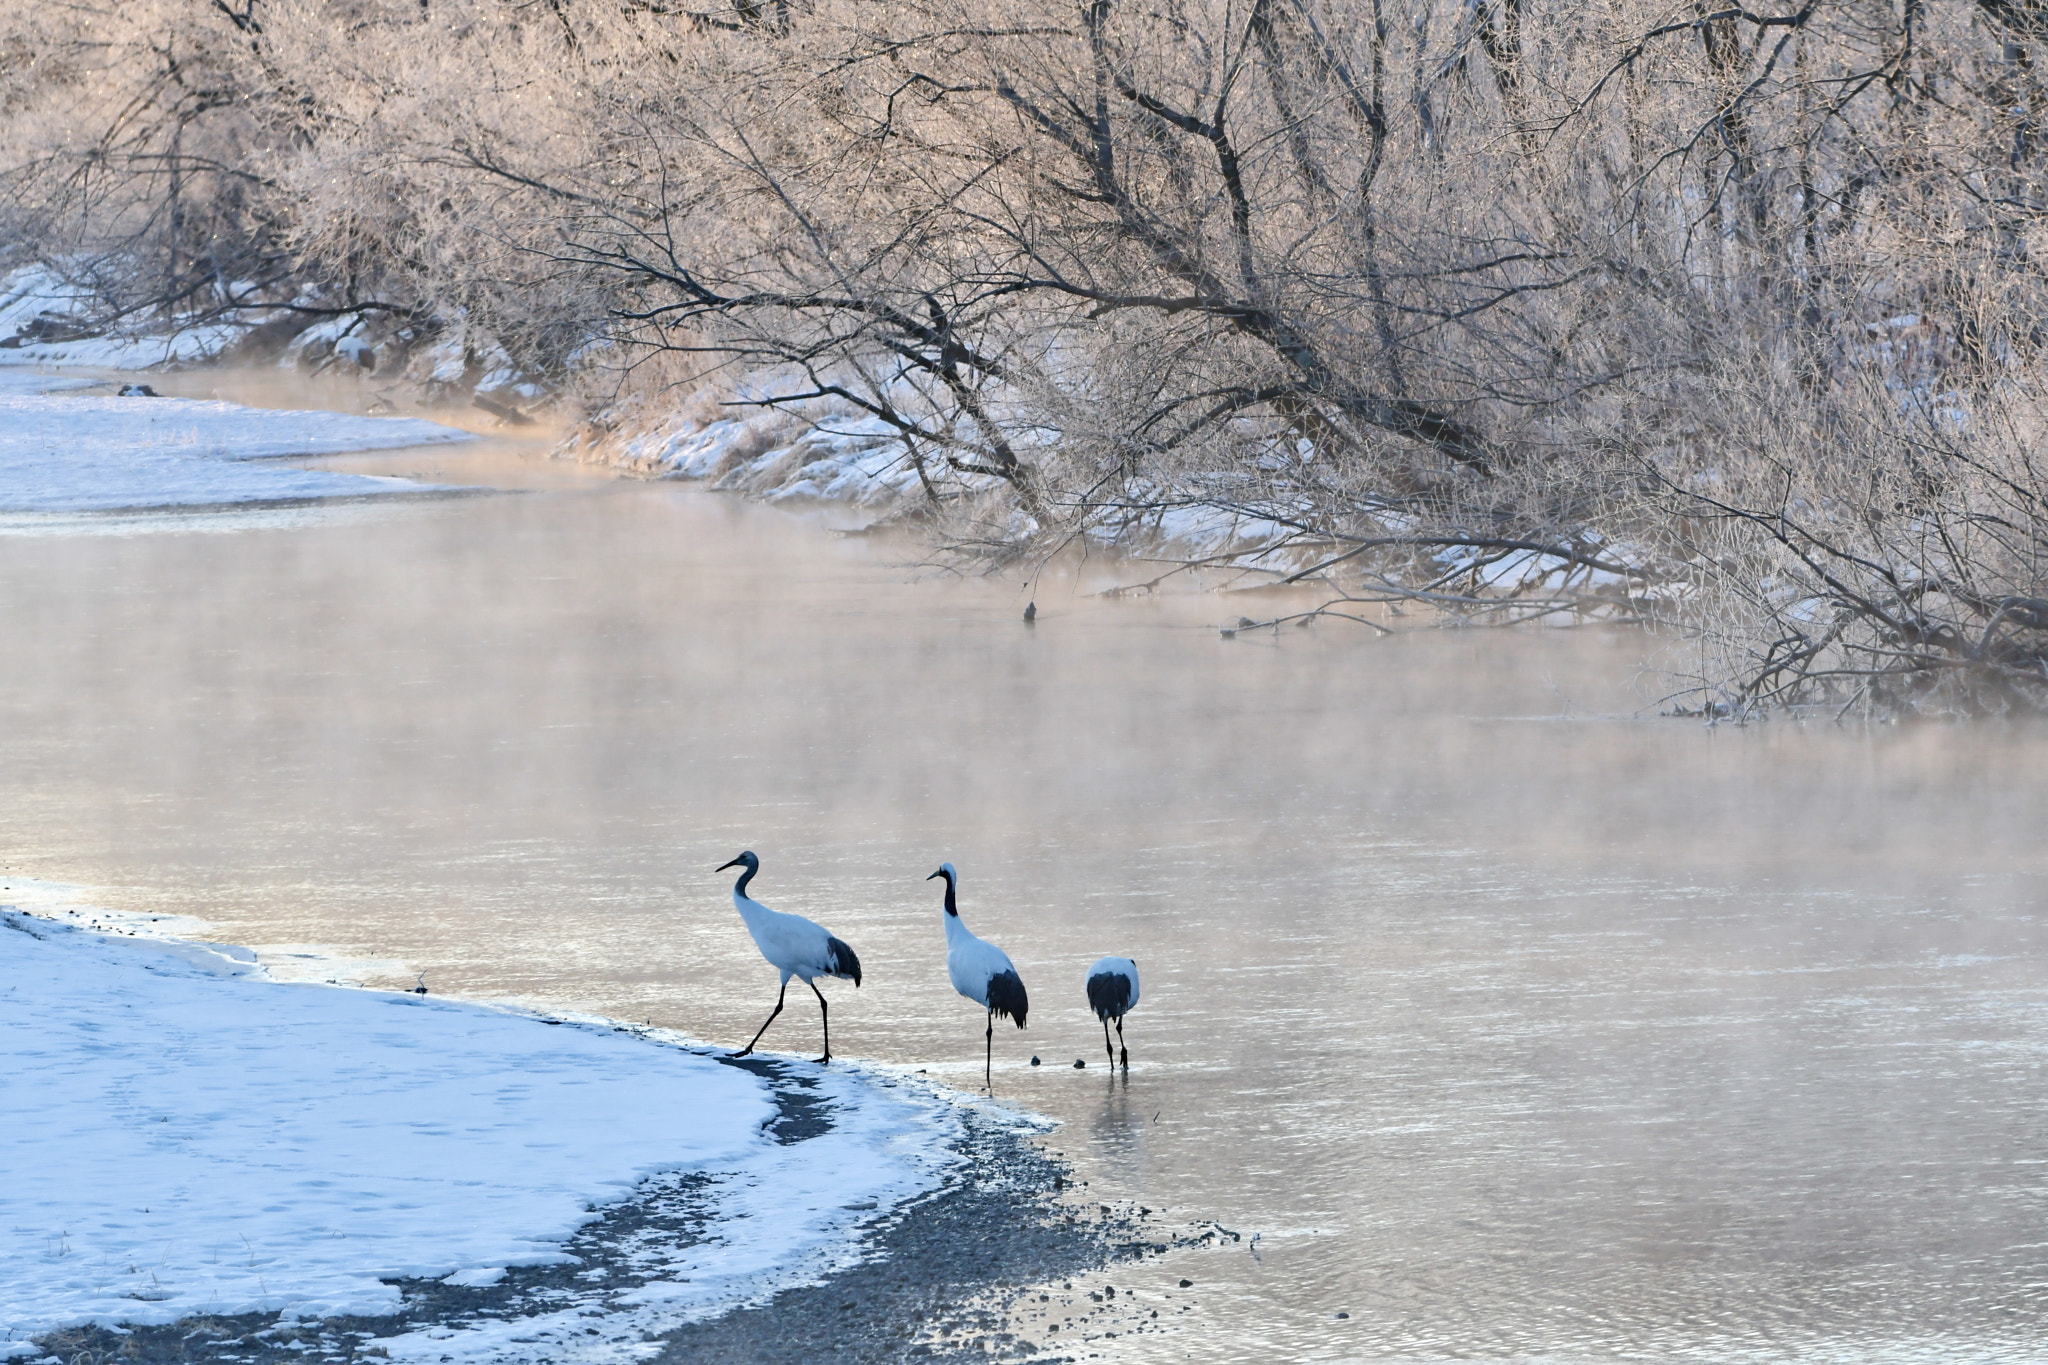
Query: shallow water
[[1515, 1021]]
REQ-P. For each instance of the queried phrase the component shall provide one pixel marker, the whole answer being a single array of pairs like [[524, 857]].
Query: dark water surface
[[1513, 1024]]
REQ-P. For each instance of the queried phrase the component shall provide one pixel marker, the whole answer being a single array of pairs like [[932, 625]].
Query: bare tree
[[1717, 318]]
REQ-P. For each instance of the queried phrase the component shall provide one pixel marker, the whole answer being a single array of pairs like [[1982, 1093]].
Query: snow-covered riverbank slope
[[66, 451], [186, 1136], [822, 456]]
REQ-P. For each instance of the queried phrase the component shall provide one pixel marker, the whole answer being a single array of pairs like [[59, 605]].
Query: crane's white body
[[973, 962], [793, 945], [1113, 968]]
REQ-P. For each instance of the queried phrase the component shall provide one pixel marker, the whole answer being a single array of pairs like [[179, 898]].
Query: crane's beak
[[936, 874], [734, 863]]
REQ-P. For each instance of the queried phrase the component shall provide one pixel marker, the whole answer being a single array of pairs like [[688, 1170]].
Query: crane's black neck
[[952, 906], [739, 888]]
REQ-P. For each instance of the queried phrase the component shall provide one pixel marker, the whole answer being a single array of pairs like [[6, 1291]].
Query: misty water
[[1513, 1020]]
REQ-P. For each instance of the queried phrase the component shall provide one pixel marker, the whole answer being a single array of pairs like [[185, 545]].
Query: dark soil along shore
[[934, 1287], [945, 1276]]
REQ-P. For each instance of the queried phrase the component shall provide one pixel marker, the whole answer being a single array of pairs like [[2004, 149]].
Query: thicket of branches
[[1695, 313]]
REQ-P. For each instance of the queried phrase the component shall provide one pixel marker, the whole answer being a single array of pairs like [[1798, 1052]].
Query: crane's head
[[746, 860], [952, 885]]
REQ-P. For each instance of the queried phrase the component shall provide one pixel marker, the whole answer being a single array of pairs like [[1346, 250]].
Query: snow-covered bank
[[45, 321], [186, 1136], [827, 454], [67, 452]]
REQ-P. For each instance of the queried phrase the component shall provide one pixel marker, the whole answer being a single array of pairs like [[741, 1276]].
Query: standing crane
[[981, 971], [793, 946], [1113, 993]]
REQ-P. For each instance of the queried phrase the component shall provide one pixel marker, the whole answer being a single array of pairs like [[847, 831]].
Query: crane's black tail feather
[[843, 962], [1006, 996], [1109, 995]]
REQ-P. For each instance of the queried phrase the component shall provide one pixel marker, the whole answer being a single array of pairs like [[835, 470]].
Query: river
[[1513, 1020]]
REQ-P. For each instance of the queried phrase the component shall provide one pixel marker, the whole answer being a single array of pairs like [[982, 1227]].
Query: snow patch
[[45, 321], [186, 1136], [29, 383], [750, 436], [844, 458], [65, 453]]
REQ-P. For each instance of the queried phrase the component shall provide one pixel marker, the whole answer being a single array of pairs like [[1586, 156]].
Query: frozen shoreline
[[63, 451], [189, 1137]]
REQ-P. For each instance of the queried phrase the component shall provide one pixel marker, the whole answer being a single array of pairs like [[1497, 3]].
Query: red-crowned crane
[[1113, 993], [981, 971], [793, 946]]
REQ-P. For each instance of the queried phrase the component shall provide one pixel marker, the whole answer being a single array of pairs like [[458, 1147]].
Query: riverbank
[[735, 434], [208, 1162], [72, 444], [938, 1281]]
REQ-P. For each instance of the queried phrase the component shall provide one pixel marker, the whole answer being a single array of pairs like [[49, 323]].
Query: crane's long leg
[[825, 1017], [988, 1058], [1120, 1040], [1105, 1038], [771, 1019]]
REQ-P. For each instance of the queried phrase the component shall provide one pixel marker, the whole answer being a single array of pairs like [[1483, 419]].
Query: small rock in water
[[1030, 612], [1343, 1315], [1187, 1284], [1079, 1064], [1034, 1061], [139, 391]]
